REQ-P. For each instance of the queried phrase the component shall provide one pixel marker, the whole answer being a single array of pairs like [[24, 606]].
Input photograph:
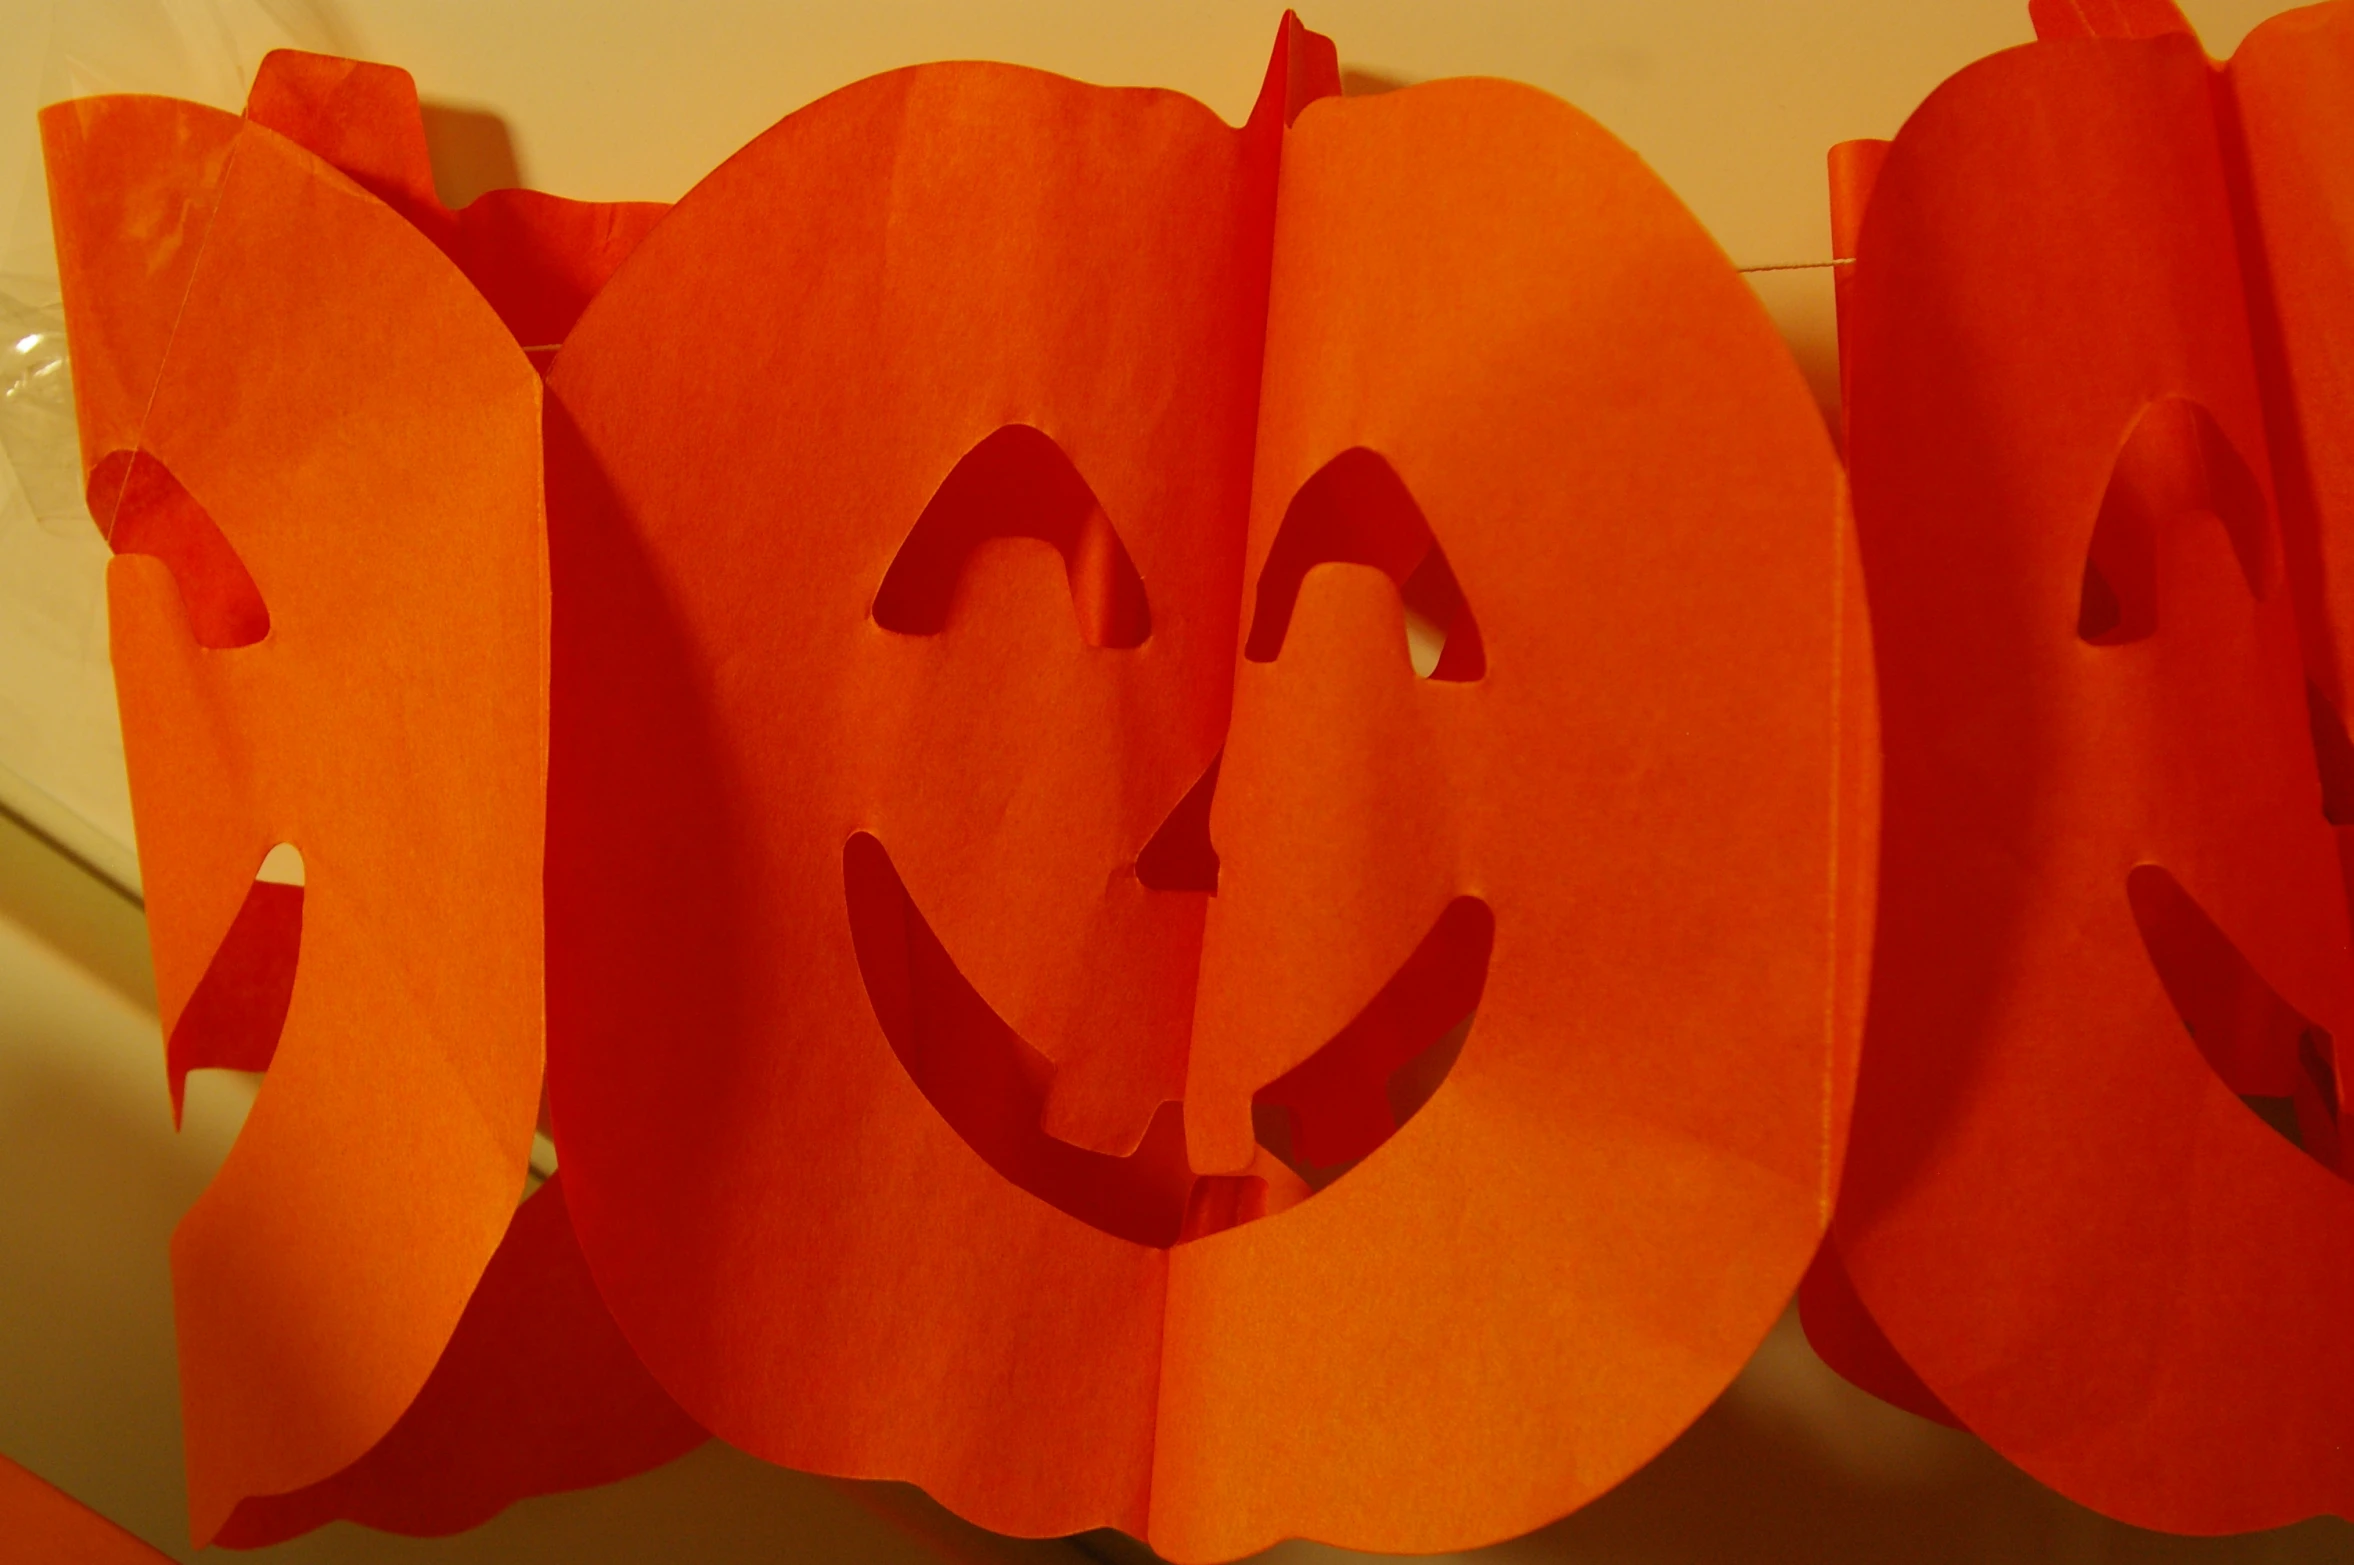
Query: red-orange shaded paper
[[2094, 343], [40, 1522], [536, 1390], [317, 450], [991, 512]]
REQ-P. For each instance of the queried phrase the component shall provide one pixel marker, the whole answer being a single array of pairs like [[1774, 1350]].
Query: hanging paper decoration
[[316, 451], [1207, 799], [2097, 338], [983, 484]]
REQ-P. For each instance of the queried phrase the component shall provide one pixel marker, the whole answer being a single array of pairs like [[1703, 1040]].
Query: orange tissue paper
[[2098, 346], [1186, 813]]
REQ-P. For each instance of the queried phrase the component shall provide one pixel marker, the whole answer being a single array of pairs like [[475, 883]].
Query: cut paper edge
[[1843, 1335], [536, 1393], [1326, 1114], [41, 1522], [536, 259], [233, 1017]]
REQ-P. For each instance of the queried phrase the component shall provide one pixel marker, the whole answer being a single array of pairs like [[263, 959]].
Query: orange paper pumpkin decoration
[[1004, 856], [2100, 475], [315, 447]]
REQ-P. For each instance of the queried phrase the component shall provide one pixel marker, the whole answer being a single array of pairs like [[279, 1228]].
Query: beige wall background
[[1732, 101]]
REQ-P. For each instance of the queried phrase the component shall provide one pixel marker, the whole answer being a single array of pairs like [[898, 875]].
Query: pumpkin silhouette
[[1088, 643], [2113, 937], [315, 447]]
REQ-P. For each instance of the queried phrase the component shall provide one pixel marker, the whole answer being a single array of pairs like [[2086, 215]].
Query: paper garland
[[1006, 914]]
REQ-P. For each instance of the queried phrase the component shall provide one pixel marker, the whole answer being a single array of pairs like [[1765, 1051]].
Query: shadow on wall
[[87, 1396], [1799, 302], [471, 150]]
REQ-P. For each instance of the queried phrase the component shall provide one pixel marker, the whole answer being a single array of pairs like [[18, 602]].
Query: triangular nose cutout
[[1179, 857]]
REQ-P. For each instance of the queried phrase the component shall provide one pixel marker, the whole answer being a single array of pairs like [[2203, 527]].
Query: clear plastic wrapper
[[61, 759]]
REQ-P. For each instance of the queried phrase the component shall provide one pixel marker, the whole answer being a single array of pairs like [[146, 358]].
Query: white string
[[1797, 266]]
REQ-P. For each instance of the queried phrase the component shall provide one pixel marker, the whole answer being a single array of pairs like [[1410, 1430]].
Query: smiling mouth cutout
[[1314, 1122]]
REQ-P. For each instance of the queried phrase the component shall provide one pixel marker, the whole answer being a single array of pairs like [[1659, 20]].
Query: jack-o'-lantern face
[[1054, 1034], [313, 440], [1088, 643], [279, 671], [2112, 907]]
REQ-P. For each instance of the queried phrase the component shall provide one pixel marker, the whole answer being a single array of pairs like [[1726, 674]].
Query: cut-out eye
[[233, 1018], [142, 509], [2177, 462], [1017, 483], [2280, 1064], [1356, 510], [1328, 1112]]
